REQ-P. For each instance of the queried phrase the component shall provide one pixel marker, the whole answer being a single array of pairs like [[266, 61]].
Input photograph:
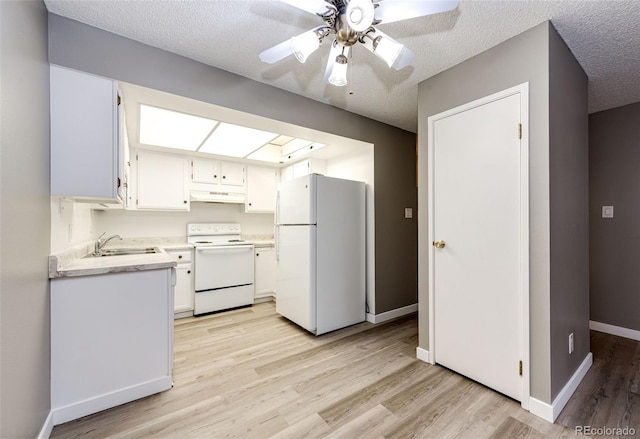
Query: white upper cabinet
[[232, 174], [161, 181], [85, 137], [303, 167], [208, 172], [262, 185]]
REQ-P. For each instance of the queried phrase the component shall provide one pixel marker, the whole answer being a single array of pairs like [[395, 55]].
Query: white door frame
[[523, 90]]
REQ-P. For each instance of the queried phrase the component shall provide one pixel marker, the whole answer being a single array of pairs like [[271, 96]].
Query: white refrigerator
[[321, 252]]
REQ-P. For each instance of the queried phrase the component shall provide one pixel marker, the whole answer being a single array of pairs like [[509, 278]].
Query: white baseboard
[[615, 330], [423, 355], [266, 298], [102, 402], [47, 427], [394, 313], [549, 412]]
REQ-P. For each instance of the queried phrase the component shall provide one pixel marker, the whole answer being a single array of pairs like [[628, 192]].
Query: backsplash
[[74, 223]]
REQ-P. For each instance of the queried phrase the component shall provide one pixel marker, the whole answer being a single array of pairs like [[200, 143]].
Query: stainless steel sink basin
[[124, 252]]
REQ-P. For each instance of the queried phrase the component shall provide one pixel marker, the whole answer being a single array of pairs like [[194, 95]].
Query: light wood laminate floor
[[250, 373]]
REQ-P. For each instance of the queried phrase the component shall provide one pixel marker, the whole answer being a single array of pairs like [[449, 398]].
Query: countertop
[[260, 240], [72, 262]]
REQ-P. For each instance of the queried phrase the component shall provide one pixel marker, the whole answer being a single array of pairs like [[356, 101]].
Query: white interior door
[[477, 229]]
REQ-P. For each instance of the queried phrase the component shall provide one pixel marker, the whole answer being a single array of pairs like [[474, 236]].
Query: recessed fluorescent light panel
[[302, 151], [235, 140], [171, 129], [294, 145], [268, 153]]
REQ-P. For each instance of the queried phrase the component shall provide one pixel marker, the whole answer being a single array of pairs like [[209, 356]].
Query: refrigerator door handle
[[277, 243]]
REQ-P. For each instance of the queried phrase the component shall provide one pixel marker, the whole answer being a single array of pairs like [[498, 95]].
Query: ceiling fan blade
[[276, 53], [389, 11], [311, 6], [404, 59]]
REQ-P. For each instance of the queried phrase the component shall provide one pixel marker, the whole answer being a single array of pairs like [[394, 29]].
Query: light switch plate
[[408, 212], [607, 211]]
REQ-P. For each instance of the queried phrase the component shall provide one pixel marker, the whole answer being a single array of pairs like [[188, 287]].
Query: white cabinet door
[[215, 175], [265, 266], [162, 181], [262, 185], [184, 289], [232, 174], [205, 171], [85, 154]]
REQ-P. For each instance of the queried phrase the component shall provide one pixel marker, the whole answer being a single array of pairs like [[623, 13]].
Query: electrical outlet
[[571, 343]]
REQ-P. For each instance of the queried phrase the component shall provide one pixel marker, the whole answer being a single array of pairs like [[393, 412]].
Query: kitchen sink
[[124, 252]]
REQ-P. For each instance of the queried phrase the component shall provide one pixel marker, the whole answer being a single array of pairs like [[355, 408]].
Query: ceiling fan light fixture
[[387, 49], [360, 14], [339, 72], [304, 45]]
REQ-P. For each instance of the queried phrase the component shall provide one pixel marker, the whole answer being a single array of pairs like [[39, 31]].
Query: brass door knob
[[439, 244]]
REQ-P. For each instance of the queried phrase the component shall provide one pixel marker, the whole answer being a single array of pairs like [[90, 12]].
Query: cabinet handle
[[185, 201], [224, 176], [215, 176], [180, 257], [188, 271], [249, 204], [257, 254]]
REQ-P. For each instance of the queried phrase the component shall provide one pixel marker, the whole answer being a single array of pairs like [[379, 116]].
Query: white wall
[[359, 166], [24, 219], [71, 223]]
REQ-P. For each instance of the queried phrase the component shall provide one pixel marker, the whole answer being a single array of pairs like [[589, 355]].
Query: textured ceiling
[[229, 34]]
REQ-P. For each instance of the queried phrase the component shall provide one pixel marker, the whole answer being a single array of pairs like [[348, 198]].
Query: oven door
[[223, 266]]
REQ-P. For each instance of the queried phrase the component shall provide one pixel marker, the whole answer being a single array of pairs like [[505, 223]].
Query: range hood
[[217, 197]]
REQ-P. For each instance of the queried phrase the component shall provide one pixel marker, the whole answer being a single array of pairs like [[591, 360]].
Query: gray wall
[[569, 201], [524, 58], [614, 174], [92, 50], [24, 219]]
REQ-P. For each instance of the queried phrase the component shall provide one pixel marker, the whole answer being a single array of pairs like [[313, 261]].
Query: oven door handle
[[225, 247]]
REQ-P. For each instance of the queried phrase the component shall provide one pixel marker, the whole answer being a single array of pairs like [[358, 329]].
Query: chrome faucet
[[100, 243]]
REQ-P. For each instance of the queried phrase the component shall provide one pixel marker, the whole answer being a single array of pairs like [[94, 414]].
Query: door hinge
[[520, 367], [118, 100], [519, 131]]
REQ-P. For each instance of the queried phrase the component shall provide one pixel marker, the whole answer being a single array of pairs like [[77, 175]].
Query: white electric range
[[223, 265]]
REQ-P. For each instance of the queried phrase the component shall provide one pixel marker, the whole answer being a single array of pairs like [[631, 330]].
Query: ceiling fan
[[353, 21]]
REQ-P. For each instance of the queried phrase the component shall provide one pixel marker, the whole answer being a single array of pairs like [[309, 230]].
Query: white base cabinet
[[111, 340], [184, 290], [265, 272]]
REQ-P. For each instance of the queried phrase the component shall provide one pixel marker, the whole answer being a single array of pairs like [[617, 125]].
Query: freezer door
[[296, 201], [296, 275]]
